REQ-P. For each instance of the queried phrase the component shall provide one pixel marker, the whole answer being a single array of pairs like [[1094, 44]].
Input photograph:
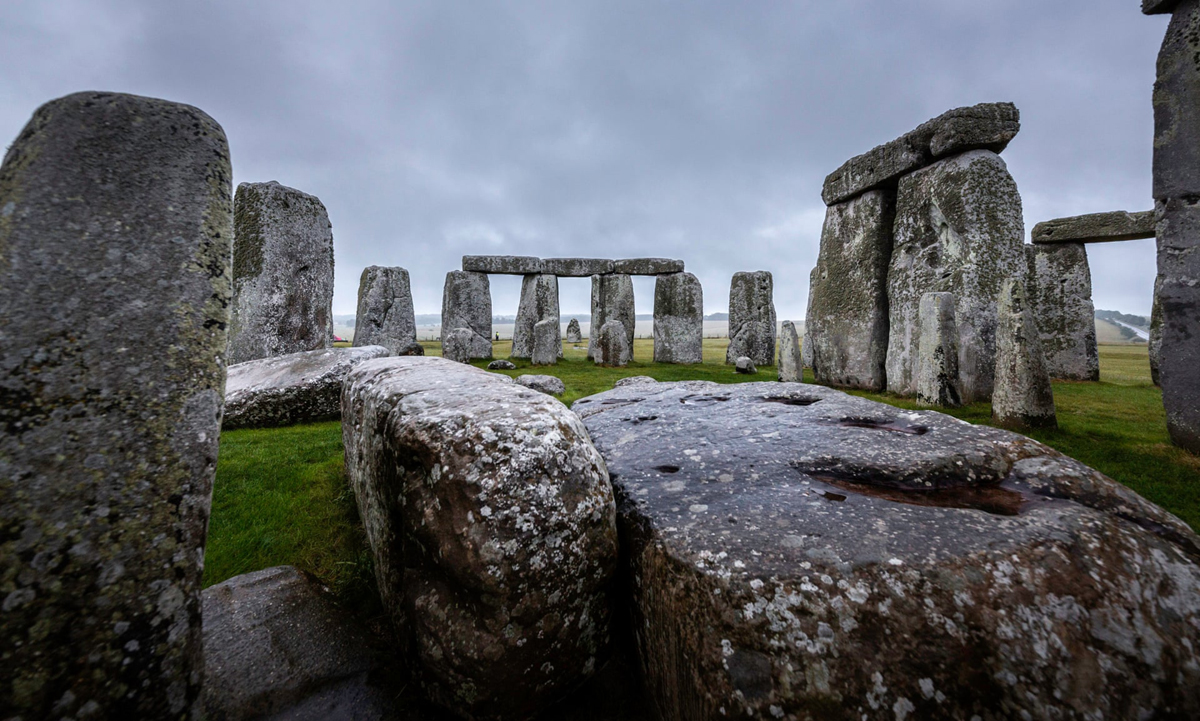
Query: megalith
[[457, 345], [751, 318], [937, 370], [282, 273], [385, 311], [612, 299], [1023, 397], [467, 303], [1155, 340], [574, 335], [539, 301], [612, 345], [678, 319], [116, 235], [547, 342], [790, 367], [1060, 293]]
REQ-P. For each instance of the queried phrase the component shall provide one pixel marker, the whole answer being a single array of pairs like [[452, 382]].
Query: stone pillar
[[547, 342], [678, 319], [751, 318], [574, 335], [467, 303], [938, 382], [1023, 397], [282, 273], [539, 301], [385, 311], [790, 366], [612, 345], [1060, 291], [115, 283], [806, 353], [1156, 332], [612, 299]]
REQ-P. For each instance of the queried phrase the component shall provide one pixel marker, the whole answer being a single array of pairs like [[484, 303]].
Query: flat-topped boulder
[[576, 267], [502, 264], [647, 266], [1096, 228]]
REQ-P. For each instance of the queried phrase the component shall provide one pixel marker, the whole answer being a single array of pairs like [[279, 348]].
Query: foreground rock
[[550, 385], [495, 568], [938, 383], [1023, 396], [385, 311], [751, 318], [796, 552], [295, 388], [1096, 228], [678, 319], [467, 304], [790, 368], [1060, 294], [115, 247]]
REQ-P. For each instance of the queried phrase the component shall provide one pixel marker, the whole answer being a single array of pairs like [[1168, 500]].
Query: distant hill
[[717, 316], [1134, 320]]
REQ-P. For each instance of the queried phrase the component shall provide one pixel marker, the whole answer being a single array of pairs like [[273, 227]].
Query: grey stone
[[790, 366], [612, 345], [1177, 107], [550, 385], [633, 380], [502, 264], [745, 366], [1179, 299], [938, 381], [295, 388], [612, 299], [539, 301], [751, 318], [467, 303], [1060, 292], [457, 344], [1155, 349], [1158, 7], [806, 352], [1023, 397], [385, 311], [496, 568], [547, 342], [574, 335], [1096, 228], [115, 283], [847, 321], [678, 319], [647, 266], [987, 126], [576, 267], [958, 230], [282, 273], [794, 551], [501, 365]]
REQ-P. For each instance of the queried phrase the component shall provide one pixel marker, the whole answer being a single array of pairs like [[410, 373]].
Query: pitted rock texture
[[847, 321], [958, 230], [1023, 397], [612, 348], [678, 319], [806, 353], [467, 303], [539, 301], [385, 311], [633, 380], [647, 266], [1096, 228], [937, 370], [612, 299], [550, 385], [547, 343], [576, 267], [751, 318], [794, 552], [282, 273], [295, 388], [1177, 107], [1179, 334], [574, 335], [502, 264], [491, 520], [115, 282], [1060, 292], [457, 344], [789, 367]]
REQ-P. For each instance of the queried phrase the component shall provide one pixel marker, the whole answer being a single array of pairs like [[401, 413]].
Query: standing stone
[[1156, 332], [937, 373], [547, 343], [467, 303], [457, 345], [612, 345], [1023, 397], [847, 322], [751, 318], [282, 273], [1060, 292], [539, 301], [385, 311], [612, 299], [574, 335], [806, 353], [678, 319], [958, 230], [790, 366], [115, 283]]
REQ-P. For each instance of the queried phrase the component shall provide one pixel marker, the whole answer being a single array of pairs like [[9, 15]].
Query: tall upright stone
[[678, 319], [938, 382], [115, 246], [806, 353], [1060, 291], [612, 345], [790, 366], [539, 301], [847, 322], [282, 273], [958, 230], [547, 343], [612, 299], [751, 318], [1155, 349], [385, 311], [574, 335], [1023, 397], [467, 303]]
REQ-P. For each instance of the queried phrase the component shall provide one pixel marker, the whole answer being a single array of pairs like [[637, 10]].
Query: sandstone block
[[1155, 343], [612, 299], [550, 385], [1023, 397], [576, 267], [385, 311], [1060, 292], [751, 318], [539, 302], [937, 372], [612, 345], [678, 319], [547, 343], [790, 366], [1179, 299], [574, 335], [647, 266], [502, 264], [1096, 228], [467, 303]]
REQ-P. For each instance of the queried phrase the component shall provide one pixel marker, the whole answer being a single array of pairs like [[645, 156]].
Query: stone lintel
[[647, 266], [1096, 228], [576, 267], [568, 267], [502, 264]]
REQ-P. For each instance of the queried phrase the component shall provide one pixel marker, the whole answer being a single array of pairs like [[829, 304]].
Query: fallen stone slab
[[385, 311], [1060, 292], [1096, 228], [1023, 397], [751, 318], [678, 319], [797, 552], [502, 264], [576, 267], [790, 366], [550, 385], [467, 303], [295, 388], [647, 266]]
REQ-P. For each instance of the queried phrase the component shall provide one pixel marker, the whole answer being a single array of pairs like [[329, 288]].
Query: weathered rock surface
[[612, 299], [847, 321], [550, 385], [385, 311], [633, 380], [1023, 397], [1060, 292], [937, 370], [1096, 228], [491, 520], [1155, 341], [574, 335], [958, 230], [576, 267], [751, 318], [467, 303], [502, 264], [115, 283], [796, 552], [501, 365], [612, 347], [790, 366], [547, 343], [539, 301], [1177, 107], [987, 126], [457, 345], [745, 366], [806, 353], [678, 319], [647, 266], [294, 388], [282, 273]]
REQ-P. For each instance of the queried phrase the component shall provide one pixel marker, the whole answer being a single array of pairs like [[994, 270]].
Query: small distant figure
[[497, 336]]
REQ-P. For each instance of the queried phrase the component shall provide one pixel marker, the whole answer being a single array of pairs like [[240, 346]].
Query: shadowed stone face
[[115, 246], [539, 302], [1023, 397], [1060, 289], [385, 311], [612, 299], [751, 318], [467, 304], [678, 319]]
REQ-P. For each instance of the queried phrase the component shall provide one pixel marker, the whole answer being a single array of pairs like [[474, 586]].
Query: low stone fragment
[[745, 366], [457, 345], [547, 343], [502, 264], [751, 318], [1096, 228], [790, 367], [550, 385], [612, 299], [576, 267], [1179, 300], [937, 373], [1023, 397], [574, 335], [612, 348], [385, 311], [539, 302], [678, 319], [647, 266], [1060, 293], [501, 365], [633, 380], [467, 303]]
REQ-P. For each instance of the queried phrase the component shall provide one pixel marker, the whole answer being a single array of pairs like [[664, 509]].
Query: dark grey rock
[[1179, 299], [612, 299], [294, 388], [647, 266], [496, 568], [115, 283], [1096, 228], [751, 318], [806, 352], [1060, 292], [938, 381], [1158, 7], [539, 301], [790, 367], [1177, 107], [502, 264], [467, 303], [457, 344], [745, 366], [576, 267], [1023, 397], [385, 311], [847, 321], [550, 385], [282, 273], [547, 342], [501, 365], [633, 380], [574, 335], [678, 319], [795, 552], [612, 345], [1155, 343]]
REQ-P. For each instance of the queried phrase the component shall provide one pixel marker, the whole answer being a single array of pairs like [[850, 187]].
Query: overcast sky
[[697, 130]]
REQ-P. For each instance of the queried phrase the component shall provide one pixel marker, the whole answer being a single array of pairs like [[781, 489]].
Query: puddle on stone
[[790, 400], [999, 500], [667, 469], [882, 424], [701, 399]]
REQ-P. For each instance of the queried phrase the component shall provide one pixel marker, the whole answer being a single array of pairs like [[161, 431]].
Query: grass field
[[281, 498]]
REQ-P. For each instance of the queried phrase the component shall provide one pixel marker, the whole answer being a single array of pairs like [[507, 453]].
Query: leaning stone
[[678, 319], [1155, 349], [282, 273], [1096, 228], [501, 365], [496, 569], [745, 366], [612, 346], [647, 266], [547, 343], [937, 371], [1060, 292], [550, 385], [539, 302], [576, 267], [502, 264], [385, 311], [1023, 397], [295, 388], [791, 550], [633, 380], [790, 367], [1158, 7], [457, 345], [467, 303], [612, 299], [574, 335], [115, 283], [1179, 299], [751, 318]]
